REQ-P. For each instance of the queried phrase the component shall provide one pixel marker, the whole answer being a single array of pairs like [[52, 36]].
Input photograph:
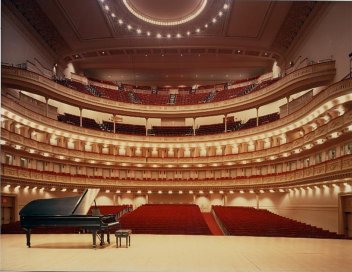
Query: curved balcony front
[[302, 79], [340, 168], [335, 94]]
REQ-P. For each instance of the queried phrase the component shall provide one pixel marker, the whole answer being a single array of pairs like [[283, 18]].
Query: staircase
[[212, 224]]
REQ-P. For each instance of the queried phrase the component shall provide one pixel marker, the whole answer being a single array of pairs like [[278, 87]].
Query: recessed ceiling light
[[106, 7], [139, 31], [129, 27], [220, 13], [178, 35], [113, 15], [214, 20], [198, 30], [148, 33], [168, 36], [226, 6], [188, 33], [158, 35], [120, 21]]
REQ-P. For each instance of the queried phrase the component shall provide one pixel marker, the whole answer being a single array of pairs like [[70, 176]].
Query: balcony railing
[[311, 76], [329, 170]]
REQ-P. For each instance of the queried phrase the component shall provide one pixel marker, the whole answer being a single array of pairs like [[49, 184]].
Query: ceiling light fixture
[[155, 21], [219, 13]]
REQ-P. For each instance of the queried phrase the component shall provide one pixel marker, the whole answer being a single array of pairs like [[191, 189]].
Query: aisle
[[212, 224]]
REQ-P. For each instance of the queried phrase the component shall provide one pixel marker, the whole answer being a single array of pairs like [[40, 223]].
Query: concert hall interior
[[211, 135]]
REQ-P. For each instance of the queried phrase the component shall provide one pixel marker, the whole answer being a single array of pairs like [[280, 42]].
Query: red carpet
[[213, 226]]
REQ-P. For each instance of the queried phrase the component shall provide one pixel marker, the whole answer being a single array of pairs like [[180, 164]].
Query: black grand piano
[[67, 212]]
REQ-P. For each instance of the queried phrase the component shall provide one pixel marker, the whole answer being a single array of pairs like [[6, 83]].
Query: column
[[257, 116], [267, 143], [146, 199], [114, 120], [224, 199], [146, 126], [225, 123], [80, 117], [251, 146], [257, 200], [287, 101], [194, 126], [46, 106], [235, 148]]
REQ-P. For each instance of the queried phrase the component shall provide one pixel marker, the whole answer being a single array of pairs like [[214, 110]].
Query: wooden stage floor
[[73, 252]]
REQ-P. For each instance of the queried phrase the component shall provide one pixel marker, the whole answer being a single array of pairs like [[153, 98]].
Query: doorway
[[7, 209], [345, 214]]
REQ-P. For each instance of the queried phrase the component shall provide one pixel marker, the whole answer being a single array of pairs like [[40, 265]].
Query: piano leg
[[108, 236], [102, 238], [94, 233], [28, 237]]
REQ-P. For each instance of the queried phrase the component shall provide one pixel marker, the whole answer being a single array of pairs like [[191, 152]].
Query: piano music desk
[[123, 233]]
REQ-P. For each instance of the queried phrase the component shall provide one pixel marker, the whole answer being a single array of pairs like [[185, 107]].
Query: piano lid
[[77, 205]]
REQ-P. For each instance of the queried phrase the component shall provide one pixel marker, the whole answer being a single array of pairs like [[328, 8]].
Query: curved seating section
[[248, 221], [166, 130], [166, 219], [186, 96], [111, 209]]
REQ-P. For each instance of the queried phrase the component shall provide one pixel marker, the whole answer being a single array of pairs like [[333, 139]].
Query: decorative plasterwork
[[339, 168], [296, 18], [34, 15]]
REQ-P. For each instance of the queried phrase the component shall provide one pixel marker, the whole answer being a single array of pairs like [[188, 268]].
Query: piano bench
[[123, 233]]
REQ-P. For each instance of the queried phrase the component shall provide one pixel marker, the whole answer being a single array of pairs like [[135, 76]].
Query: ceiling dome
[[161, 12]]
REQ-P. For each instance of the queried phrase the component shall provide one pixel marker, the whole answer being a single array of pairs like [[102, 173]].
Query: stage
[[73, 252]]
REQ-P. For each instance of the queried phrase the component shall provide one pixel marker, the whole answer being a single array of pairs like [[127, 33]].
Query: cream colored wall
[[24, 196], [19, 45], [330, 37], [318, 206], [175, 198]]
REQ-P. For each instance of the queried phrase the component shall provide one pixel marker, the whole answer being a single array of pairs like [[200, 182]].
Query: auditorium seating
[[191, 99], [144, 94], [166, 219], [252, 122], [248, 221], [111, 209], [171, 130], [217, 128], [75, 120], [167, 130], [73, 85], [124, 128], [153, 99]]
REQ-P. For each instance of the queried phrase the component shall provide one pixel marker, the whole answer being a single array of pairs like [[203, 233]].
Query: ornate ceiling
[[244, 40]]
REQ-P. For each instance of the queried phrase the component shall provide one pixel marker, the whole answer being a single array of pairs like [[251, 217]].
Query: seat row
[[163, 97], [248, 221], [166, 219]]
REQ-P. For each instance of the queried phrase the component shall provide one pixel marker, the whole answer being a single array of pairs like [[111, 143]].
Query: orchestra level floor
[[73, 252]]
